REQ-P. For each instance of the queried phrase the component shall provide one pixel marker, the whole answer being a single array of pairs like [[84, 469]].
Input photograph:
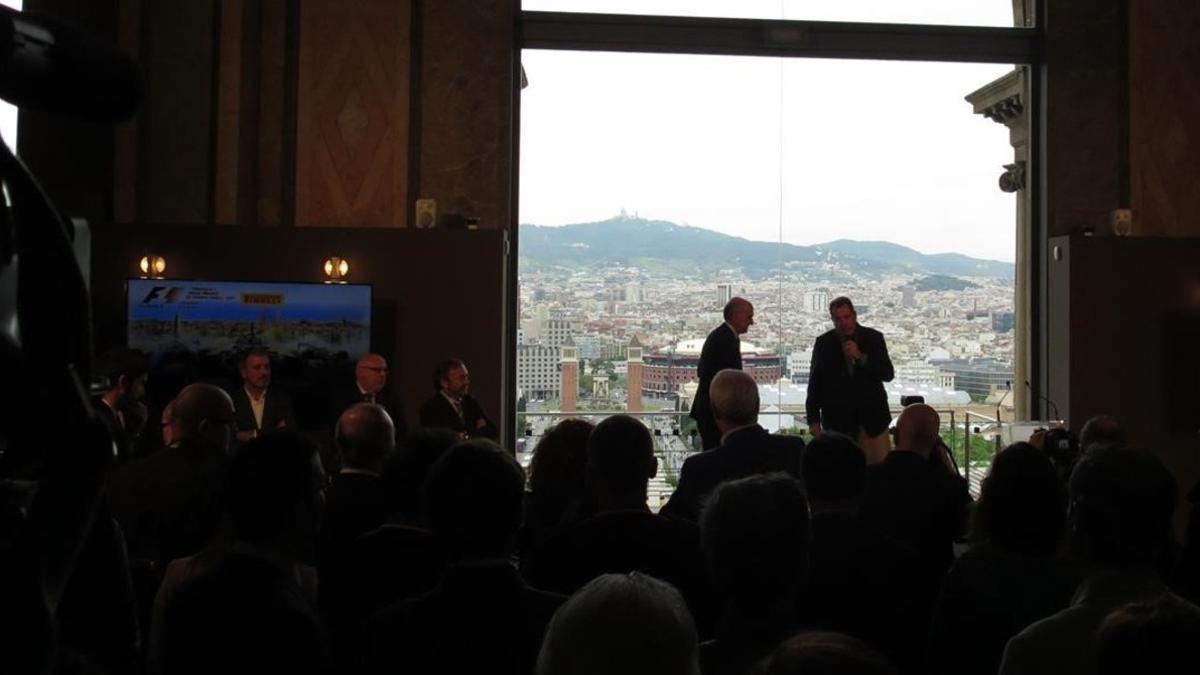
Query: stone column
[[1004, 101]]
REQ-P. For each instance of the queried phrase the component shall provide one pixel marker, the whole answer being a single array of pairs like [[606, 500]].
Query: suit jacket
[[247, 615], [919, 503], [438, 413], [276, 409], [168, 503], [122, 437], [482, 618], [722, 349], [848, 398], [347, 396], [745, 452], [619, 542], [355, 503]]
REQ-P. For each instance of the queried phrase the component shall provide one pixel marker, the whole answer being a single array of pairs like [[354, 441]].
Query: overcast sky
[[822, 149]]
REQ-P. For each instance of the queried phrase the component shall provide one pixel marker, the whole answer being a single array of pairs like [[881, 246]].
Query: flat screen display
[[225, 318]]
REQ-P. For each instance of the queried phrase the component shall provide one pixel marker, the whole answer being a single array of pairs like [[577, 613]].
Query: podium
[[1011, 432]]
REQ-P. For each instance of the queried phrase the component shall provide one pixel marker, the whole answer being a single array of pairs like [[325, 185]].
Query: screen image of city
[[224, 318]]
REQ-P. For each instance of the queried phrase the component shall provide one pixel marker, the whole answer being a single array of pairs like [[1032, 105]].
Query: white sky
[[825, 149], [8, 113]]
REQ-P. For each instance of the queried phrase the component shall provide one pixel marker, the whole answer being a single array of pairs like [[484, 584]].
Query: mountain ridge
[[624, 239]]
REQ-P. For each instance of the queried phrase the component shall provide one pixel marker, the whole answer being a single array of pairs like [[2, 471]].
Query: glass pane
[[653, 187], [935, 12]]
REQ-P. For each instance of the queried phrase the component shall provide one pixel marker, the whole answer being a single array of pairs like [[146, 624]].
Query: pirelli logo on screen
[[262, 298]]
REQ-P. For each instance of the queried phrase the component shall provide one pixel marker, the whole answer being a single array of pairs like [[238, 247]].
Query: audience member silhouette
[[824, 653], [400, 559], [624, 536], [482, 617], [1185, 578], [168, 502], [1121, 504], [355, 503], [915, 496], [1101, 430], [249, 614], [1157, 637], [1012, 575], [745, 449], [755, 533], [557, 495], [860, 582], [631, 624]]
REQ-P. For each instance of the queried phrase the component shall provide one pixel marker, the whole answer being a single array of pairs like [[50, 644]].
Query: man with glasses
[[370, 386]]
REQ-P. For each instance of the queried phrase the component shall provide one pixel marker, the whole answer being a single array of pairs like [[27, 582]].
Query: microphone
[[47, 65], [1057, 417]]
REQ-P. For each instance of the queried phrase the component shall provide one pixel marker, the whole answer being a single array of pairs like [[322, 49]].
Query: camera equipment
[[906, 401]]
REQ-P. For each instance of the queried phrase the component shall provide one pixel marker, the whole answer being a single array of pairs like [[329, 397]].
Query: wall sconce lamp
[[152, 266], [336, 270]]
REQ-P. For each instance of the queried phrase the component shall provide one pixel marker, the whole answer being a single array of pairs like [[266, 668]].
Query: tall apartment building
[[538, 374]]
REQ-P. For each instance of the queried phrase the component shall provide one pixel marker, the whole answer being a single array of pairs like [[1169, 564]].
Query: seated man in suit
[[452, 407], [120, 407], [370, 386], [746, 448], [259, 408]]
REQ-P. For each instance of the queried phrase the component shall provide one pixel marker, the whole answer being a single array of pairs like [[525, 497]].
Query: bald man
[[168, 502], [722, 349], [915, 495], [370, 386]]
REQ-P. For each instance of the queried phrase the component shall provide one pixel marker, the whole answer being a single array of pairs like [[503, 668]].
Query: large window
[[655, 186]]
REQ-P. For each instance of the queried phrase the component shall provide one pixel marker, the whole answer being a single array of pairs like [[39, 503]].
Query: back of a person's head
[[734, 398], [405, 471], [1022, 505], [620, 456], [365, 435], [1121, 507], [472, 499], [557, 469], [755, 534], [630, 624], [1157, 637], [835, 468], [822, 653], [1101, 429], [271, 480]]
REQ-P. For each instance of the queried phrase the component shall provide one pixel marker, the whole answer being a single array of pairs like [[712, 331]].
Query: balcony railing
[[675, 439]]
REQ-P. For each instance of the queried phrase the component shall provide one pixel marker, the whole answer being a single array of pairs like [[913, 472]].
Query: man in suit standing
[[850, 363], [745, 447], [120, 407], [452, 407], [259, 408], [722, 349]]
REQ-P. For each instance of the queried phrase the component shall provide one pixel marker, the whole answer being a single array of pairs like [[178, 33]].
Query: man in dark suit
[[746, 448], [259, 408], [370, 386], [120, 407], [850, 363], [452, 407], [722, 349]]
